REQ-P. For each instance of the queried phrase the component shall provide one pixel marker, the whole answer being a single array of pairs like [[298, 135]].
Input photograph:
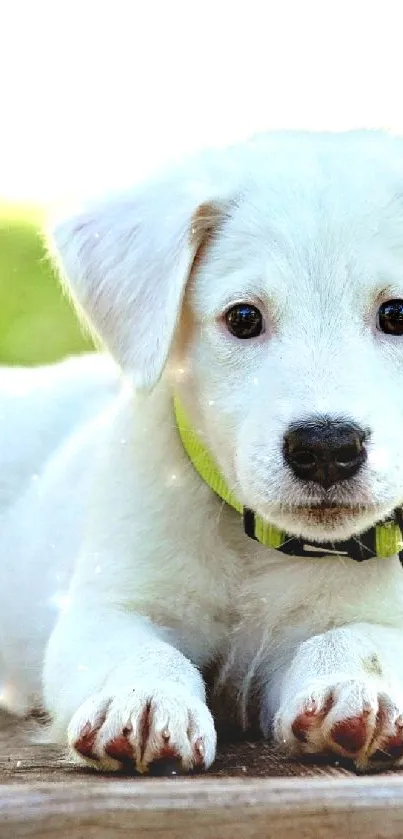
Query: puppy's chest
[[283, 593], [191, 591]]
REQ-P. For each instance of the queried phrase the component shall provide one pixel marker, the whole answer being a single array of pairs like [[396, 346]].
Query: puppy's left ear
[[125, 263]]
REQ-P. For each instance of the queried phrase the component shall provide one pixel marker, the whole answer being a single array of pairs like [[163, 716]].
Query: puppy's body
[[112, 545], [51, 420]]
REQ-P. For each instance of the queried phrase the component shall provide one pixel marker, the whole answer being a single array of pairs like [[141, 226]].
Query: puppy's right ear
[[125, 263]]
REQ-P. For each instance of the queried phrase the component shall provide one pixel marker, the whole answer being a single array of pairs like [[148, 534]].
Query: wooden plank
[[267, 796], [205, 809]]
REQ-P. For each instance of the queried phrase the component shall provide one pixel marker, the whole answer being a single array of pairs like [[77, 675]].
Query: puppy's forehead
[[329, 222]]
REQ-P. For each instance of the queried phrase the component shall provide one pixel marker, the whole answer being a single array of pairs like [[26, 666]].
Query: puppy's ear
[[125, 263]]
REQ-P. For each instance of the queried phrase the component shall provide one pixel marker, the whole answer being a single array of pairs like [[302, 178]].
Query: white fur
[[122, 576]]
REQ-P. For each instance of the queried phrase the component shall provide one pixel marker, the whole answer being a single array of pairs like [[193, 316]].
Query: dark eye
[[244, 321], [390, 317]]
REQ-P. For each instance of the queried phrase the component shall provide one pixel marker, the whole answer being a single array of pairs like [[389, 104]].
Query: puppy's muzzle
[[325, 451]]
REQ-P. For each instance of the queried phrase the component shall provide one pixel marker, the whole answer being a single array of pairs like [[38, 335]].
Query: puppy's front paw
[[354, 718], [141, 725]]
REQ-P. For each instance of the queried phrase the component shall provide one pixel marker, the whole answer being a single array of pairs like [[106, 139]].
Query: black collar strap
[[382, 540]]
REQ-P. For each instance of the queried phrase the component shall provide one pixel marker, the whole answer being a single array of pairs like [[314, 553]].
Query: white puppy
[[261, 287]]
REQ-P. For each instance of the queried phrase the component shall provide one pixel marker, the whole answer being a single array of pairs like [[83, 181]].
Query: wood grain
[[42, 796], [205, 809]]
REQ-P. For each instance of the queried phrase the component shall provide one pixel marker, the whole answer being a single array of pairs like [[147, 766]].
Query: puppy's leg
[[119, 693], [343, 693]]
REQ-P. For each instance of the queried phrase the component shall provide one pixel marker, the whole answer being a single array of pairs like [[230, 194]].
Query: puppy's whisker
[[220, 512]]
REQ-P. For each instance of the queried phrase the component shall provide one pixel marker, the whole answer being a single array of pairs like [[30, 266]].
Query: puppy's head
[[266, 283]]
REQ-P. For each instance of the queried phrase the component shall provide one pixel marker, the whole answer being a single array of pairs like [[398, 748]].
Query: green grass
[[37, 324]]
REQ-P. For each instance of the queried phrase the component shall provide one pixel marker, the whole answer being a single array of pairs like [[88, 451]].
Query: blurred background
[[94, 96]]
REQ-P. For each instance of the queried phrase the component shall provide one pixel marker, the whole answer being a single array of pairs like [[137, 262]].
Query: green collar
[[383, 540]]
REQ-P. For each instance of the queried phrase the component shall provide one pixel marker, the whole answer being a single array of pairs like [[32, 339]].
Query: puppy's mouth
[[326, 513], [326, 520]]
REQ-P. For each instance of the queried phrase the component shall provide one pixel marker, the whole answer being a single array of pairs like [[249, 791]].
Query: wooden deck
[[250, 792]]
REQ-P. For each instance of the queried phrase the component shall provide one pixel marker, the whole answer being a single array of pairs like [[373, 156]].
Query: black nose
[[325, 451]]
